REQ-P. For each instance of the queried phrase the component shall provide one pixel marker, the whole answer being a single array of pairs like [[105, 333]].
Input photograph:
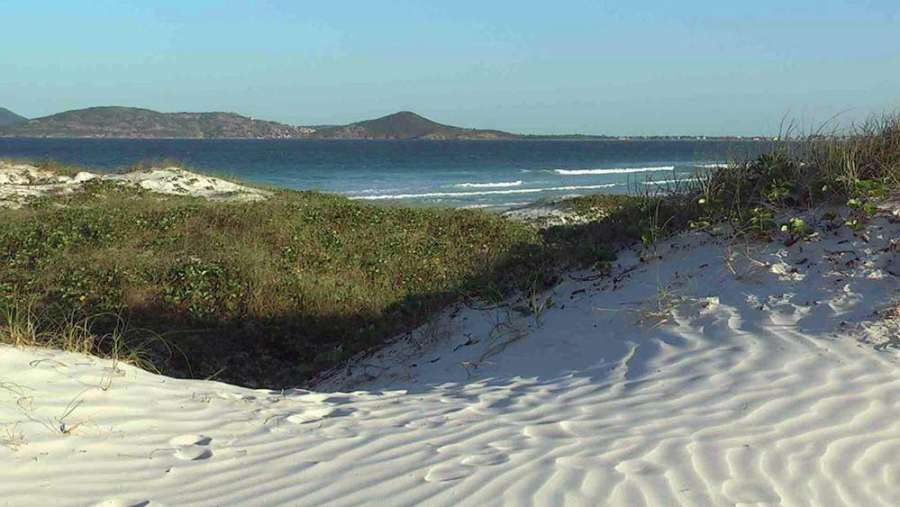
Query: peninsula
[[137, 123]]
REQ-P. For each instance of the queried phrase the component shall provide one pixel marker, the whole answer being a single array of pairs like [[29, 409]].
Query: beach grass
[[254, 292], [269, 293]]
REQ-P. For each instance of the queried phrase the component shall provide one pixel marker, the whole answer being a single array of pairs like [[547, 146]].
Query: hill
[[137, 123], [407, 125], [8, 117], [129, 122]]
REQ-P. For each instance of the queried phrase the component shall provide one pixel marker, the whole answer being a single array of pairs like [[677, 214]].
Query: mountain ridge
[[408, 125], [133, 122], [140, 123], [8, 117]]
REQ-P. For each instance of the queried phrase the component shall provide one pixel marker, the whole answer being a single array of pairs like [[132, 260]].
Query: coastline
[[722, 343]]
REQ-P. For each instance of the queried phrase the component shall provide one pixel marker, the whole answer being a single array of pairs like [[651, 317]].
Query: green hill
[[129, 122], [8, 117], [407, 125]]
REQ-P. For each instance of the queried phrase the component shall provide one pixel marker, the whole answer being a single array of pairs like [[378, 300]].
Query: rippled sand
[[714, 373]]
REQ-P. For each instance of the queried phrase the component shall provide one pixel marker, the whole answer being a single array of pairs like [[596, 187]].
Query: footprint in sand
[[448, 472], [338, 432], [317, 414], [191, 447], [195, 439], [638, 467], [584, 428], [547, 430], [583, 463], [118, 502], [425, 423], [745, 491], [236, 397], [510, 445], [485, 459]]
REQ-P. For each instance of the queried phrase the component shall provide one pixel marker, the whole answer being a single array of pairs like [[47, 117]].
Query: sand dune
[[717, 374], [19, 182]]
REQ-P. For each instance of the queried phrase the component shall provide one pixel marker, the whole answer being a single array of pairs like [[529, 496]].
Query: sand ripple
[[742, 392]]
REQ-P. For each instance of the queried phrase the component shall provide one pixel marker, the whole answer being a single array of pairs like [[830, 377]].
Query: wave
[[426, 195], [615, 170], [499, 184], [663, 182], [717, 165], [369, 191]]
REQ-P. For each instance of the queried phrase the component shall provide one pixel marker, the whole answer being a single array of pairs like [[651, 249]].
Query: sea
[[471, 174]]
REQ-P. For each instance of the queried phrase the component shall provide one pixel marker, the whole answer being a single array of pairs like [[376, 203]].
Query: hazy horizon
[[580, 67]]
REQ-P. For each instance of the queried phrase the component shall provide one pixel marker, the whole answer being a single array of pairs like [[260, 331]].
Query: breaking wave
[[425, 195], [499, 184], [614, 170]]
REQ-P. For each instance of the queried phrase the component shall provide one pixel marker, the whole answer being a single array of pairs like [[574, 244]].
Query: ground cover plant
[[268, 293], [253, 292]]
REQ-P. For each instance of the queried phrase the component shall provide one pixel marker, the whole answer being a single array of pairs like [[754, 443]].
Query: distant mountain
[[135, 123], [129, 122], [406, 125], [8, 117]]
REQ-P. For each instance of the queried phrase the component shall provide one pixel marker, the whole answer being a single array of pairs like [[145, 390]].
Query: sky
[[636, 67]]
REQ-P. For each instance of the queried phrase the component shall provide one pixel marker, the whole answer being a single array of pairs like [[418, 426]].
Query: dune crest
[[19, 182]]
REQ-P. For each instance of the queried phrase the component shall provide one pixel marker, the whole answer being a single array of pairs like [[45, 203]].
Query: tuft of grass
[[854, 168], [26, 325]]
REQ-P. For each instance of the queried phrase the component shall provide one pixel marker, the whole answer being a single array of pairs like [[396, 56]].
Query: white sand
[[19, 182], [761, 386]]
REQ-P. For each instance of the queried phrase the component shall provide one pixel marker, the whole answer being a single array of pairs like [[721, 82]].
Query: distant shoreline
[[521, 139], [116, 122]]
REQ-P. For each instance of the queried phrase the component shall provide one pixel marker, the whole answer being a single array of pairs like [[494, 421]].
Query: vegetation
[[855, 170], [407, 125], [260, 293], [131, 122], [268, 293]]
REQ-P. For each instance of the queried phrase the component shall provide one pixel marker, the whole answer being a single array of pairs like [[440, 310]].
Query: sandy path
[[705, 378]]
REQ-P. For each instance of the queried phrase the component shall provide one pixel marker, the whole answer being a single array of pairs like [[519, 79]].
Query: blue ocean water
[[488, 174]]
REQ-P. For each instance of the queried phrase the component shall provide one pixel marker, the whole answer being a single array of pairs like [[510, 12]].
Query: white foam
[[717, 165], [498, 184], [427, 195], [614, 170], [662, 182], [682, 181]]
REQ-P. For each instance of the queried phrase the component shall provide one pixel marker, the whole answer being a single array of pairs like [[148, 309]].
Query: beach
[[455, 254], [493, 175], [703, 371]]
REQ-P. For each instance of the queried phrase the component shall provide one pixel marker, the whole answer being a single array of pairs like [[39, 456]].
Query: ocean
[[476, 174]]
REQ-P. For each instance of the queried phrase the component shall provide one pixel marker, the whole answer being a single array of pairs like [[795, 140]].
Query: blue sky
[[617, 67]]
